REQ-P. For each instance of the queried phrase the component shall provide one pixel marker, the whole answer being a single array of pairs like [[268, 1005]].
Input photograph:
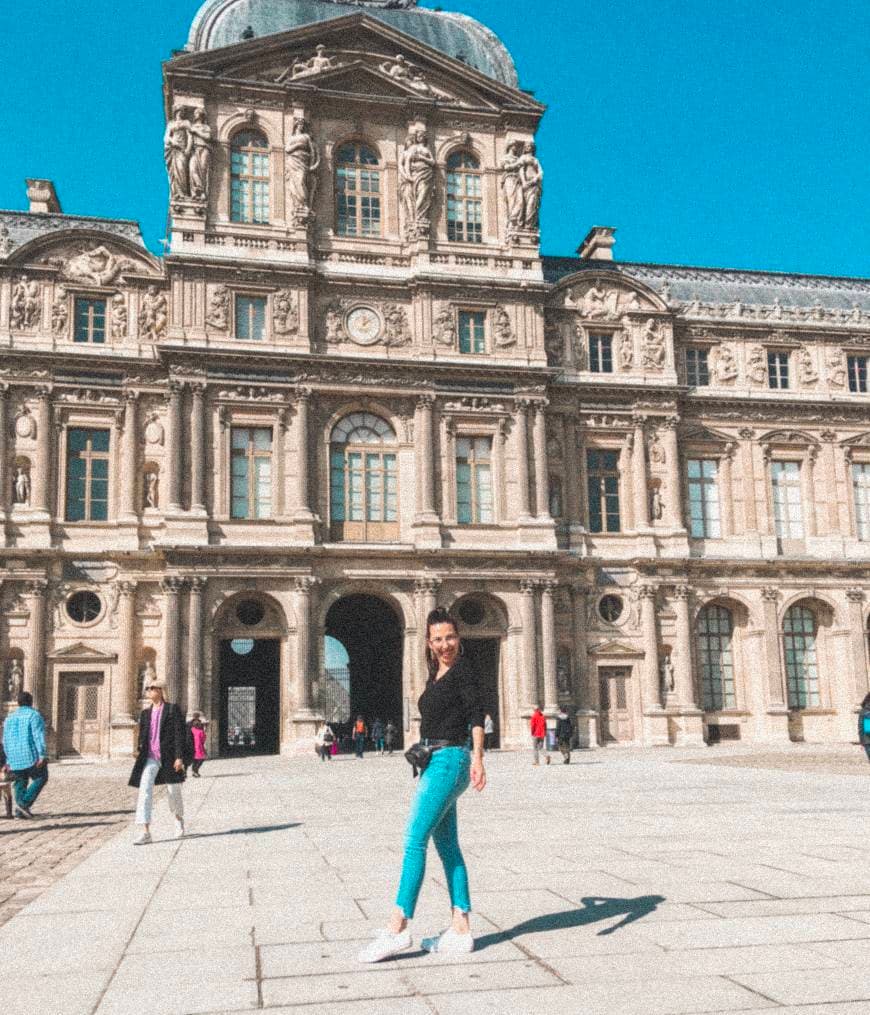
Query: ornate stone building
[[353, 389]]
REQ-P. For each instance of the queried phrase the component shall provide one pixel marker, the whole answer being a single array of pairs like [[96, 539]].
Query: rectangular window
[[251, 472], [697, 368], [861, 486], [90, 321], [464, 207], [87, 475], [777, 370], [704, 513], [857, 369], [785, 479], [601, 354], [250, 318], [472, 331], [602, 474], [474, 500]]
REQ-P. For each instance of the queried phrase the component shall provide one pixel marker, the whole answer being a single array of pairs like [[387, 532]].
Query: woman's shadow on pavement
[[595, 908]]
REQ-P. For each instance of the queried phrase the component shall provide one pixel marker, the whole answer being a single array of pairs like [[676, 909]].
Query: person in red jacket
[[538, 727]]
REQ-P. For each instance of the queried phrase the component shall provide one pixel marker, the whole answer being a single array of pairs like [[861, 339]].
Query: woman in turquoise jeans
[[449, 707]]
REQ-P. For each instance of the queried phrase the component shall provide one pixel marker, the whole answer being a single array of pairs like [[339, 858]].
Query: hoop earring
[[461, 649]]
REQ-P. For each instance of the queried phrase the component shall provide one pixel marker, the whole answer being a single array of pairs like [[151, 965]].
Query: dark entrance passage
[[250, 699], [484, 653], [371, 633]]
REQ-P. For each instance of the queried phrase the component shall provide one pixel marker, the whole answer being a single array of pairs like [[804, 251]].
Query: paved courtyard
[[628, 882]]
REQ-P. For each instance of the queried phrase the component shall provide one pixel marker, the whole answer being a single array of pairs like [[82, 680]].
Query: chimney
[[598, 245], [42, 197]]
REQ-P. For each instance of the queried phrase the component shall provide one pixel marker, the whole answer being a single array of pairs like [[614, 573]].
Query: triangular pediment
[[614, 648], [703, 435], [81, 653], [356, 54]]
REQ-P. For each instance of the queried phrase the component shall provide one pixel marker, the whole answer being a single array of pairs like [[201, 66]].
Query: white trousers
[[146, 794]]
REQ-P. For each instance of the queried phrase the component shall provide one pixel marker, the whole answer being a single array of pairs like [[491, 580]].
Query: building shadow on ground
[[595, 909], [254, 830]]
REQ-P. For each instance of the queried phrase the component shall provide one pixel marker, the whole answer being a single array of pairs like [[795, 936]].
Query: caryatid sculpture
[[303, 161], [417, 184], [177, 146], [512, 187], [532, 179], [199, 163]]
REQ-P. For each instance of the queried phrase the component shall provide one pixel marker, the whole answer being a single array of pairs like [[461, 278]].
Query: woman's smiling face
[[444, 643]]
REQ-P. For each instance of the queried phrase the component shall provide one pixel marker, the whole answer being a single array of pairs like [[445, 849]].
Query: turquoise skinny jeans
[[433, 815]]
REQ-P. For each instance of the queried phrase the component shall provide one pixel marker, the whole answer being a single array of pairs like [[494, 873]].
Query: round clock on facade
[[363, 325]]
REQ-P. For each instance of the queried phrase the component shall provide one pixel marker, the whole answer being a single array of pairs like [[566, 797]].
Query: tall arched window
[[357, 191], [714, 630], [464, 199], [801, 663], [363, 488], [249, 172]]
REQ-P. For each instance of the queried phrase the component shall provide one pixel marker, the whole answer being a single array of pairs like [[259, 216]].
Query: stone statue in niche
[[285, 316], [756, 366], [626, 351], [25, 304], [502, 328], [657, 508], [119, 317], [667, 676], [652, 346], [153, 315], [532, 180], [836, 370], [151, 489], [199, 164], [303, 160], [148, 675], [14, 679], [444, 327], [579, 347], [806, 368], [553, 345], [726, 364], [59, 312], [21, 486], [218, 316], [317, 64], [177, 146], [512, 187], [417, 184], [333, 323]]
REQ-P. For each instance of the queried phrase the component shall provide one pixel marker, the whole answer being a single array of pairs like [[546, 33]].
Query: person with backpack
[[564, 733], [326, 740], [390, 731], [196, 744], [26, 753]]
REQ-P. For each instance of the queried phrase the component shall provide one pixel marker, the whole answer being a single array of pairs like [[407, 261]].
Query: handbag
[[418, 757]]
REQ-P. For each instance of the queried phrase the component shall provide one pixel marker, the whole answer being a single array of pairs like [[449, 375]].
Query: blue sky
[[724, 134]]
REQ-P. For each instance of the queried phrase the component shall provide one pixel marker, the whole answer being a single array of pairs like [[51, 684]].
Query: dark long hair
[[438, 616]]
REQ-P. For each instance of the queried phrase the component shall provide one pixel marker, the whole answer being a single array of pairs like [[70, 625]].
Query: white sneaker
[[142, 839], [385, 946], [449, 942], [179, 828]]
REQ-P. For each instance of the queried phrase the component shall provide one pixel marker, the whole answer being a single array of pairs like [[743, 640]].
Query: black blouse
[[449, 707]]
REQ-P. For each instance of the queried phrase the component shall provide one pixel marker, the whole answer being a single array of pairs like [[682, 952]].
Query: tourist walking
[[378, 735], [449, 707], [390, 732], [359, 735], [538, 729], [26, 756], [564, 734], [197, 733], [864, 725], [326, 739], [160, 760], [488, 732]]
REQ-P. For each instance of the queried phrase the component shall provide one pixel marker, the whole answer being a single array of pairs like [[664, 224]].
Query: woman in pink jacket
[[197, 731]]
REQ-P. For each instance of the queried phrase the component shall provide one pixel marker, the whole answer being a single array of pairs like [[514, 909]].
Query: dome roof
[[224, 22]]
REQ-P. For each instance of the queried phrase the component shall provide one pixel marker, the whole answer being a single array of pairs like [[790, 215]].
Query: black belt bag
[[419, 755]]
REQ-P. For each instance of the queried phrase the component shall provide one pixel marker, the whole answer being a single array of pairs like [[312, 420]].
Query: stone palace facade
[[353, 388]]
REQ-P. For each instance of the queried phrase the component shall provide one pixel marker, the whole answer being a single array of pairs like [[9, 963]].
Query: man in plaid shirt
[[24, 744]]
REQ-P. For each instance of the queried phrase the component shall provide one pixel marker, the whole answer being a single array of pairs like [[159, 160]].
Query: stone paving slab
[[635, 885]]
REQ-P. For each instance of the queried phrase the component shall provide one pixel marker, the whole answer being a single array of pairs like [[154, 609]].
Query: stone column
[[122, 690], [671, 449], [652, 697], [197, 449], [129, 478], [34, 670], [726, 490], [426, 461], [858, 644], [194, 647], [772, 654], [173, 448], [542, 471], [638, 475], [548, 648], [684, 676], [303, 504], [41, 480], [529, 681], [304, 590], [4, 471], [172, 588], [521, 445], [586, 682], [426, 590]]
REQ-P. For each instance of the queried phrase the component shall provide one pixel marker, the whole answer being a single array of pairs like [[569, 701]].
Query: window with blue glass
[[249, 178], [464, 199], [472, 331], [474, 495], [87, 475], [777, 370], [90, 321], [601, 353], [250, 318], [251, 472], [364, 482], [602, 477], [357, 191], [704, 514]]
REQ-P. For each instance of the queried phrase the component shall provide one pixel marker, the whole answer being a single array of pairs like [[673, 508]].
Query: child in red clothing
[[197, 731]]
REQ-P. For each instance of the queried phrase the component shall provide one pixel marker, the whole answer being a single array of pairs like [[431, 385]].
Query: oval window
[[83, 607], [610, 608], [250, 612]]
